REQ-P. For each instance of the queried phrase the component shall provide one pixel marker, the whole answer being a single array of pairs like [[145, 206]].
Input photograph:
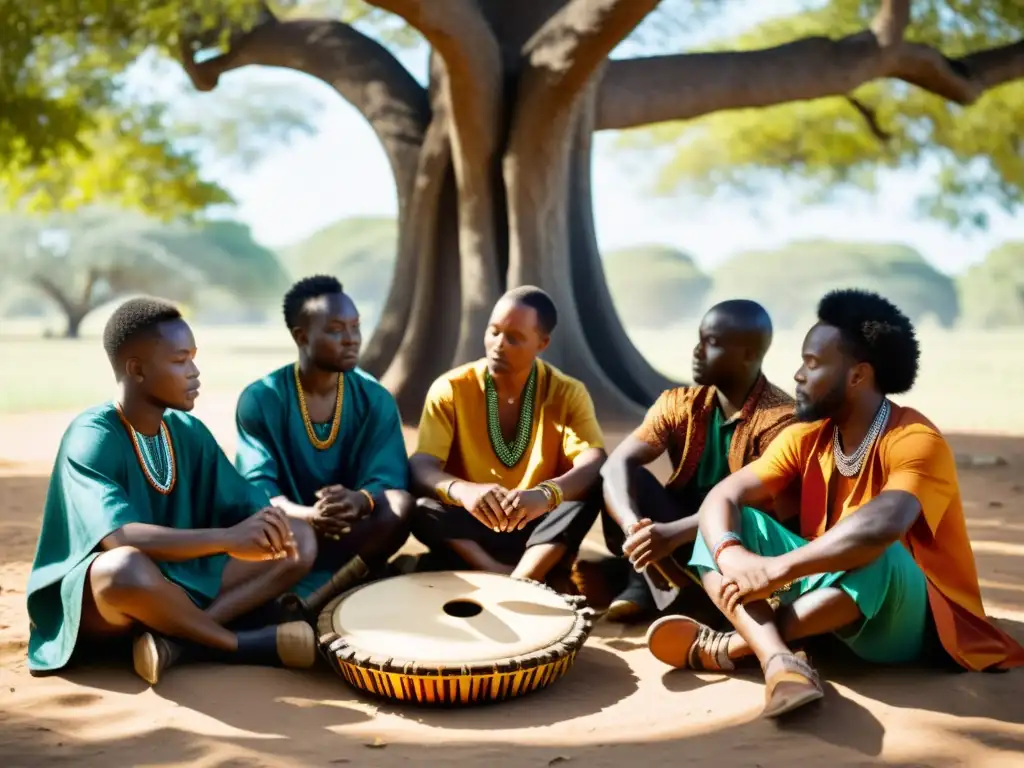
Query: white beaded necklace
[[849, 465]]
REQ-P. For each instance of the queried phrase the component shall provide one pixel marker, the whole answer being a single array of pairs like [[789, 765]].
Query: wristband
[[730, 539], [369, 498]]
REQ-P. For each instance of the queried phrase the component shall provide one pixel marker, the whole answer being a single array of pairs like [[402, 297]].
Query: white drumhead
[[452, 617]]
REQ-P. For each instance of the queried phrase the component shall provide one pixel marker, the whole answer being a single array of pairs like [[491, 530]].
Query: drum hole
[[462, 609]]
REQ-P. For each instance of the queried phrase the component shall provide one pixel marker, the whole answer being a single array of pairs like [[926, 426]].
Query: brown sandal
[[794, 684], [685, 643]]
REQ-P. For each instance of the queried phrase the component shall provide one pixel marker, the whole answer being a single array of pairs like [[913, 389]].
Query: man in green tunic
[[323, 438], [149, 529]]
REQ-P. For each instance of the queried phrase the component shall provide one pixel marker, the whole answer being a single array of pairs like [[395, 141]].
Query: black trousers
[[656, 503], [435, 524]]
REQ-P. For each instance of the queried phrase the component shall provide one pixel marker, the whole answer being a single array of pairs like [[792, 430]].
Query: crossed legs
[[125, 590]]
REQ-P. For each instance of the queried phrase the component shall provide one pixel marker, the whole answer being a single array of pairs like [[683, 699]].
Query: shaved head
[[746, 318], [734, 337]]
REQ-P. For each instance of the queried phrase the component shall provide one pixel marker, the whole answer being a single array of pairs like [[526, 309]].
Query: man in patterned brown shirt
[[709, 430]]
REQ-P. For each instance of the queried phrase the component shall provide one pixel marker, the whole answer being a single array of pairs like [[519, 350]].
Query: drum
[[452, 637]]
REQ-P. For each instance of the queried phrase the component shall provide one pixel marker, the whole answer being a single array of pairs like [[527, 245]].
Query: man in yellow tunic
[[509, 453]]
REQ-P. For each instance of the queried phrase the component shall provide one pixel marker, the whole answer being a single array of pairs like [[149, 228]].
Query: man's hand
[[747, 577], [337, 509], [647, 543], [265, 535], [484, 502], [523, 507]]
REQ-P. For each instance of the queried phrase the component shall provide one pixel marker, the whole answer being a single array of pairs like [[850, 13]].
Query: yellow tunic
[[453, 428]]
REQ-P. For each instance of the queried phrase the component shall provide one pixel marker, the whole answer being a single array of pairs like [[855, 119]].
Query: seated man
[[509, 452], [883, 560], [147, 525], [709, 430], [323, 439]]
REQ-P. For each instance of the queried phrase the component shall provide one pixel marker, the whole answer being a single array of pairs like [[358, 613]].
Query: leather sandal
[[685, 643], [793, 684]]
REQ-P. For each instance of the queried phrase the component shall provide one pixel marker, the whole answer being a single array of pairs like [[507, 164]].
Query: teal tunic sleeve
[[88, 498], [384, 463], [256, 454], [231, 497]]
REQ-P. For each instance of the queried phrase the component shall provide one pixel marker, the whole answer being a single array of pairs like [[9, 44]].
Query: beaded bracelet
[[369, 498], [555, 491], [549, 495], [444, 493], [729, 539]]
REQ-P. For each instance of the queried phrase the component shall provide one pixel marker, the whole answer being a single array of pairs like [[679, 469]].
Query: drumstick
[[349, 574]]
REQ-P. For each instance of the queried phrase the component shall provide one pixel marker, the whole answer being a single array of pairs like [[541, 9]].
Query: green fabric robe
[[275, 454], [97, 486]]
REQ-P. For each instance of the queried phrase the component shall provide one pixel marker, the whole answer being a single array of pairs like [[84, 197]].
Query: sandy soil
[[617, 704]]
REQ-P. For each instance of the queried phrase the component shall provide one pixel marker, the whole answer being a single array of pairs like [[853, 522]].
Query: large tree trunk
[[516, 190]]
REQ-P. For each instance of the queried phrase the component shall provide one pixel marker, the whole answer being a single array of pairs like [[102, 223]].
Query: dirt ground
[[616, 706]]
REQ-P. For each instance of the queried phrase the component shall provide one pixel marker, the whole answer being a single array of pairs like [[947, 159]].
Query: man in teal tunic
[[323, 438], [149, 529]]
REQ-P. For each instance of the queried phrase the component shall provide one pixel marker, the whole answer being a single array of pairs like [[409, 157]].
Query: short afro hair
[[312, 287], [874, 331], [135, 318], [538, 300]]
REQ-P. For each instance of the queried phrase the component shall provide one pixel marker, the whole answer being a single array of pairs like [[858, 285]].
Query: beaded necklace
[[510, 453], [850, 465], [155, 455], [321, 445]]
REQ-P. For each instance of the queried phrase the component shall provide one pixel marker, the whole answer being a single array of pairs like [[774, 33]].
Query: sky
[[341, 172]]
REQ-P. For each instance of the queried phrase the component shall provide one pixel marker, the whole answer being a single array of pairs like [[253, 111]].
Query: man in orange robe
[[883, 560]]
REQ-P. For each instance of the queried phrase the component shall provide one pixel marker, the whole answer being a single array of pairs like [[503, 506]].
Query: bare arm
[[856, 541], [720, 512], [168, 545], [619, 472], [578, 482], [427, 476]]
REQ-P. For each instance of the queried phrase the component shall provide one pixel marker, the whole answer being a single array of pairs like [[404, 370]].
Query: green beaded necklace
[[510, 453]]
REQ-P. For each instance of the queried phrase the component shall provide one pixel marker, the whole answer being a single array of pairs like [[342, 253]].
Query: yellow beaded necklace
[[321, 445]]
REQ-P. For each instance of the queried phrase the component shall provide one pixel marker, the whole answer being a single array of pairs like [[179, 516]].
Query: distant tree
[[654, 286], [789, 281], [992, 292], [81, 261], [359, 251]]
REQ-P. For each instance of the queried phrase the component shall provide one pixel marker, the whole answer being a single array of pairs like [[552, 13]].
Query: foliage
[[78, 125], [789, 281], [992, 293], [972, 156], [655, 286], [358, 251], [87, 258]]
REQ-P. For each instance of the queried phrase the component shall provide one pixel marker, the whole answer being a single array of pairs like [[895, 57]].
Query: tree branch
[[643, 91], [364, 72], [576, 40]]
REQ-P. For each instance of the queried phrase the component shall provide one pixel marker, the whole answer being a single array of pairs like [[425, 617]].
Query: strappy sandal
[[685, 643], [793, 684]]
